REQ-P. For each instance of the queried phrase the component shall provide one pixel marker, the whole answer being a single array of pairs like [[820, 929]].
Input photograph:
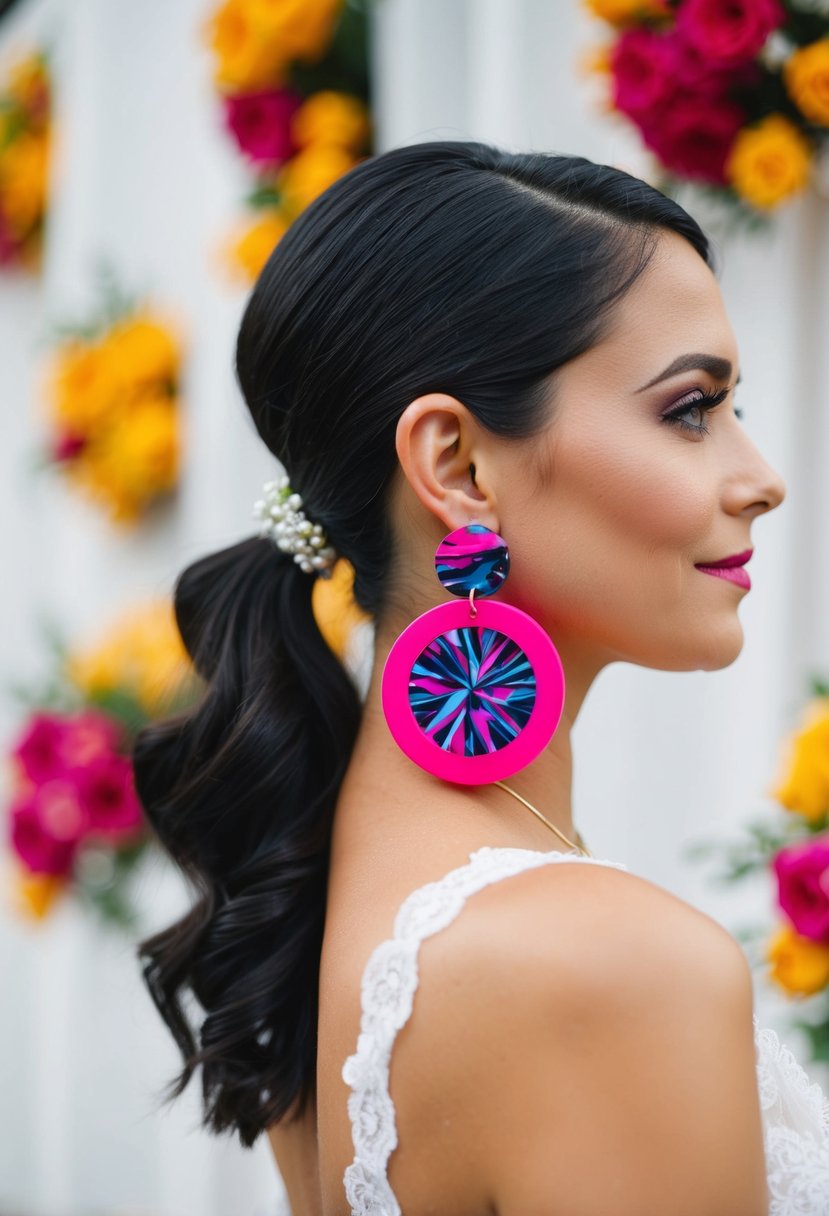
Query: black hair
[[449, 266]]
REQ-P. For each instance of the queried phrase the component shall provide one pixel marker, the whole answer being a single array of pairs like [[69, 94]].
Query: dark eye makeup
[[704, 402]]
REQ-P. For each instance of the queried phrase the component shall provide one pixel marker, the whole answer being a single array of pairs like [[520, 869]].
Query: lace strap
[[387, 992]]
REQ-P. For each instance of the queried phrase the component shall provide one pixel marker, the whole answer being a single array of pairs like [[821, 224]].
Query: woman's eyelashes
[[704, 402]]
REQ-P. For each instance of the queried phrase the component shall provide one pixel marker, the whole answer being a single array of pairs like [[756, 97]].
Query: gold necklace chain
[[581, 846]]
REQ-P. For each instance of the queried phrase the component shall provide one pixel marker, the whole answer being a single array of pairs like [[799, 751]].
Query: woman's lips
[[734, 574]]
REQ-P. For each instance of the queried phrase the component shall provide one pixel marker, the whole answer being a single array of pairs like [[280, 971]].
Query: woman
[[530, 352]]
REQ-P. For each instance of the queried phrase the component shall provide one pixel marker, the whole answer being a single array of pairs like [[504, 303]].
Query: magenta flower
[[46, 826], [803, 886], [642, 65], [52, 744], [261, 122], [107, 793], [88, 734], [67, 446], [693, 135], [9, 244], [729, 31]]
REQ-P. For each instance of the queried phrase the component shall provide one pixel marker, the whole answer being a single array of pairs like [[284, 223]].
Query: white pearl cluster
[[284, 521]]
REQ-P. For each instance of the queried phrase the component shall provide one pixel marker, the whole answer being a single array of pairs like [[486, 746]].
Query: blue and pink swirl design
[[472, 690], [473, 557]]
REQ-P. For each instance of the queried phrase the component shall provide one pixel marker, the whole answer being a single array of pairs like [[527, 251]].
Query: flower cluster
[[795, 857], [24, 161], [111, 394], [799, 951], [293, 81], [75, 822], [733, 97]]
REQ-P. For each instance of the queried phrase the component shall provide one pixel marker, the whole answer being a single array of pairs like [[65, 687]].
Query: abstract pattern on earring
[[472, 557], [473, 691]]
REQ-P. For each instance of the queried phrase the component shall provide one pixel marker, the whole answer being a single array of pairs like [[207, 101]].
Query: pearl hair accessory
[[283, 520]]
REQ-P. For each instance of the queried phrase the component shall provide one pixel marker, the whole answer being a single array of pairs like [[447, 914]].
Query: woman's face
[[605, 543]]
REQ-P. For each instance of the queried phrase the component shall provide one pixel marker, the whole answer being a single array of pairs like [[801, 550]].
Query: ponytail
[[241, 792]]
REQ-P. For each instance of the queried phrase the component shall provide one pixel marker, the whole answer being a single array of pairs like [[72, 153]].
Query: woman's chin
[[729, 648]]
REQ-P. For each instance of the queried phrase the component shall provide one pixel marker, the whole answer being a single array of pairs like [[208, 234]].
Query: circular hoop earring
[[472, 691]]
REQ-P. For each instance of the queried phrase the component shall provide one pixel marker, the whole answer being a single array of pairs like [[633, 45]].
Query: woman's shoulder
[[582, 940], [588, 1004], [598, 921]]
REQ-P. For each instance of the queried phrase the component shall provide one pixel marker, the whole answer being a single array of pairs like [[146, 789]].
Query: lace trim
[[796, 1125], [387, 990]]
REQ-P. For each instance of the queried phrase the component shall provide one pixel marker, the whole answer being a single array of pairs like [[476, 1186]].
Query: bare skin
[[605, 515]]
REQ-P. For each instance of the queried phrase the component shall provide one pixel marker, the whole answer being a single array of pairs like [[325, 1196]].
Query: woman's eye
[[703, 403]]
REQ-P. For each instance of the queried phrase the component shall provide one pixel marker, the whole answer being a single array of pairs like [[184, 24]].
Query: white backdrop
[[145, 176]]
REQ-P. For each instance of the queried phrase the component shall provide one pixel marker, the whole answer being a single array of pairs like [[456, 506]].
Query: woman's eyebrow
[[716, 366]]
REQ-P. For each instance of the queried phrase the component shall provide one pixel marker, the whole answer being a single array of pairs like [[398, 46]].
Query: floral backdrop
[[733, 98]]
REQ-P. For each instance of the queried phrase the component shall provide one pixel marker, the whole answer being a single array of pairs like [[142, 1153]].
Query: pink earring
[[472, 703]]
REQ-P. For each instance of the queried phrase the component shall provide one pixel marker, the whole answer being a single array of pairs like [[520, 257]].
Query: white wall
[[146, 177]]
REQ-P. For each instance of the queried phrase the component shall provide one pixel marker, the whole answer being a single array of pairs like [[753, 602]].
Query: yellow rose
[[624, 12], [331, 117], [24, 171], [139, 453], [80, 388], [595, 60], [27, 83], [310, 172], [302, 28], [245, 61], [254, 41], [96, 671], [34, 894], [803, 785], [99, 483], [806, 77], [142, 652], [335, 609], [143, 355], [769, 161], [797, 964], [251, 250]]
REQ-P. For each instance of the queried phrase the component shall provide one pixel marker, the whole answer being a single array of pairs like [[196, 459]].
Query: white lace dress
[[795, 1111]]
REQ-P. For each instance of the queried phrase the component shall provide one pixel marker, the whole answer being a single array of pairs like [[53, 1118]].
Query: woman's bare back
[[477, 978]]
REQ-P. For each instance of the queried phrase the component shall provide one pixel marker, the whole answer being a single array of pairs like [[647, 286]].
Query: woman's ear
[[441, 452]]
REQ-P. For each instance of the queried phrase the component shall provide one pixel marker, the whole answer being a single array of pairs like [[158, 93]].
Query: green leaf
[[818, 1035], [264, 194], [122, 704], [345, 66], [743, 857]]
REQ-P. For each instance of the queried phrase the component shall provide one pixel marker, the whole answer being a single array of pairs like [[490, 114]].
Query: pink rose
[[696, 70], [260, 123], [67, 446], [53, 743], [9, 244], [107, 794], [729, 31], [47, 826], [803, 886], [88, 734], [641, 63], [650, 69], [693, 135]]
